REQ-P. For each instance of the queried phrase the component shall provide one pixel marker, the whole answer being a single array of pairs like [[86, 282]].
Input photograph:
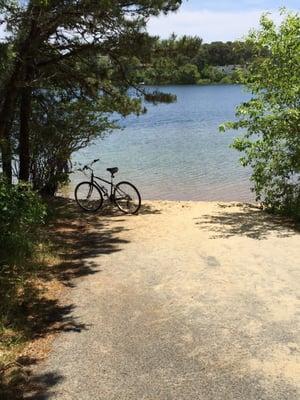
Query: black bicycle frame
[[103, 188]]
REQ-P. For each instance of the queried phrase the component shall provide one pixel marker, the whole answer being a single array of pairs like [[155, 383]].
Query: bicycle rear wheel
[[88, 196], [127, 198]]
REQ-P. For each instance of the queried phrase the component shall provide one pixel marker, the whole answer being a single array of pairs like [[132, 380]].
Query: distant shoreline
[[192, 84]]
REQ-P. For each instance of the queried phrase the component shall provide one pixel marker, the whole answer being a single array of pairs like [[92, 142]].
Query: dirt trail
[[184, 301]]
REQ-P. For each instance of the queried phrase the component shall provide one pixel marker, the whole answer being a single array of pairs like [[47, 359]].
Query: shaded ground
[[74, 238], [184, 301]]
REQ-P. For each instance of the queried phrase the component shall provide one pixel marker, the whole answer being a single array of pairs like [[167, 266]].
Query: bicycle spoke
[[127, 198], [88, 196]]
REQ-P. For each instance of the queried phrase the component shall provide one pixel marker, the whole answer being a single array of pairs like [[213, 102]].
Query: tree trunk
[[6, 117], [11, 91], [24, 153], [6, 158]]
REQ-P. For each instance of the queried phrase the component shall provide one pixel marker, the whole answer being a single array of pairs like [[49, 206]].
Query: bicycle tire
[[120, 188], [97, 204]]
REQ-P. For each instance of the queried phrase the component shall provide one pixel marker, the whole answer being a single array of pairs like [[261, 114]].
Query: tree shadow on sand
[[245, 220], [76, 238], [109, 209], [79, 236]]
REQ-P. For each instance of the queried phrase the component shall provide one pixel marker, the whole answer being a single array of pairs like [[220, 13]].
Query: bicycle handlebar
[[88, 167]]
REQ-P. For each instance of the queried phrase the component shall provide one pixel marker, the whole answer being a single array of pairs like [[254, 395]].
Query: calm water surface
[[175, 151]]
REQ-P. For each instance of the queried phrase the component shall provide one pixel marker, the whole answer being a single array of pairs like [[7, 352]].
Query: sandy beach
[[187, 300]]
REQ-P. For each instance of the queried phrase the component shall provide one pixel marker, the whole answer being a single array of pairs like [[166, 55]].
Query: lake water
[[175, 151]]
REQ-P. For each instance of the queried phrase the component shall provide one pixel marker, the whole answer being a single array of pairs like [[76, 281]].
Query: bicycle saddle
[[113, 170]]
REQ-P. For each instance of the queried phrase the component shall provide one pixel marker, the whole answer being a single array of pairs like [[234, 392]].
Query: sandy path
[[184, 301]]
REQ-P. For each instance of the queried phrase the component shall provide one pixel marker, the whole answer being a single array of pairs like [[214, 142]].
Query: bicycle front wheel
[[88, 196], [127, 198]]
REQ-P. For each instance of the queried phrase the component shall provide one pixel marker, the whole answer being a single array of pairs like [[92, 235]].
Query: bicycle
[[89, 194]]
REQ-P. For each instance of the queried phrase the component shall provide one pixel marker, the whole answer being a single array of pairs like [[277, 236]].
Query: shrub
[[271, 118], [21, 214], [212, 73], [188, 74], [204, 82], [226, 80]]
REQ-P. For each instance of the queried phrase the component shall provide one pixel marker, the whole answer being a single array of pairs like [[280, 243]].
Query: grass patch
[[32, 312], [24, 321]]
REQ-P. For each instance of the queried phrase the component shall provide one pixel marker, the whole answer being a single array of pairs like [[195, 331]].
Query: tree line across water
[[187, 60]]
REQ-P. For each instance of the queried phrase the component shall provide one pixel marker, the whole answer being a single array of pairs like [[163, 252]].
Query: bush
[[21, 214], [271, 118], [204, 82], [188, 74], [156, 97], [213, 74], [226, 80]]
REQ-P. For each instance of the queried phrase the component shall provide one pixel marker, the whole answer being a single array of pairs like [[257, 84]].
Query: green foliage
[[73, 122], [212, 74], [229, 53], [226, 80], [72, 65], [188, 74], [159, 97], [271, 143], [4, 60], [204, 81], [186, 60], [21, 215], [162, 71]]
